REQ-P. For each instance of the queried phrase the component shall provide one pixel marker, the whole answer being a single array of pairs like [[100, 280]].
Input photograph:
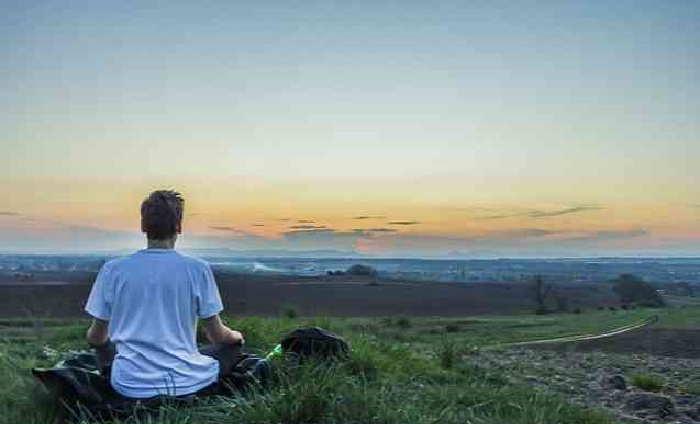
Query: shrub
[[386, 321], [360, 269], [631, 289], [404, 322], [448, 354], [578, 311], [601, 308], [648, 382], [452, 328], [290, 311]]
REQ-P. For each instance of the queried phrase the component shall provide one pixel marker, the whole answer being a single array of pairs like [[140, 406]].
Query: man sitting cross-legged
[[146, 306]]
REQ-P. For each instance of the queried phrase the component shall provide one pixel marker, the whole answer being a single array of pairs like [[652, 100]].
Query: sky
[[473, 129]]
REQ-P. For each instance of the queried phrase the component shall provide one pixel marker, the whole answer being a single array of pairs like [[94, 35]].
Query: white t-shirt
[[152, 300]]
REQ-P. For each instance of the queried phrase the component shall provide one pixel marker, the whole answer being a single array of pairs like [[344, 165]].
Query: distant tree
[[360, 269], [562, 302], [632, 289], [540, 291]]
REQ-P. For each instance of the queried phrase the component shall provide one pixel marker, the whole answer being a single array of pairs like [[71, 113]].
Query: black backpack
[[315, 342]]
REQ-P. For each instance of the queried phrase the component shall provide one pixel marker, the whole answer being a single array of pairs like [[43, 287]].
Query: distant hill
[[275, 253]]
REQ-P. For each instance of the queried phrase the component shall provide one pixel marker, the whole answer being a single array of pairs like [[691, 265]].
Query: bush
[[601, 308], [452, 328], [631, 289], [404, 322], [363, 270], [290, 311], [448, 354], [386, 321], [578, 311], [648, 382]]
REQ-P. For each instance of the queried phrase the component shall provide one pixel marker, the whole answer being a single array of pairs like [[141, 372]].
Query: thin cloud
[[306, 221], [307, 227], [5, 213], [403, 223], [502, 216], [327, 232], [194, 214], [529, 232], [535, 214], [695, 206], [258, 225], [223, 228], [577, 209], [382, 230], [283, 219], [233, 230], [610, 235], [369, 217]]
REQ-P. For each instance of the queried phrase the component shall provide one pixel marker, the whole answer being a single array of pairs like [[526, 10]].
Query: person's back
[[151, 301]]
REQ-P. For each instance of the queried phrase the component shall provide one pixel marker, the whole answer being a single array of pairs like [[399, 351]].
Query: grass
[[648, 382], [402, 370]]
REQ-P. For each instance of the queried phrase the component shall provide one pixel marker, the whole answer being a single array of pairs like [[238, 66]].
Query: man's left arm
[[99, 306], [97, 334]]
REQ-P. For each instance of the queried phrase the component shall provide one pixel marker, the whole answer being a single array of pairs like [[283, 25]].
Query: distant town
[[655, 270]]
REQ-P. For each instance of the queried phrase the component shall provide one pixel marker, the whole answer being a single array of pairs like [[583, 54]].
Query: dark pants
[[226, 354]]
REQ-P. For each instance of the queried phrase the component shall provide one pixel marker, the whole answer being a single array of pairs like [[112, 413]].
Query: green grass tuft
[[648, 382]]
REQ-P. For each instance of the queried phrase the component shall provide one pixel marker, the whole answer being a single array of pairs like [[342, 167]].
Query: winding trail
[[646, 322]]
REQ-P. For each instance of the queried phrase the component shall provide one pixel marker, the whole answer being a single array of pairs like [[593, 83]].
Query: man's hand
[[218, 333], [97, 333]]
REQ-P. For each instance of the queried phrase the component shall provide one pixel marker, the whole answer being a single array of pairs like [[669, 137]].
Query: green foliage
[[452, 328], [398, 372], [648, 382], [361, 270], [540, 292], [448, 354], [290, 311], [632, 289], [404, 322]]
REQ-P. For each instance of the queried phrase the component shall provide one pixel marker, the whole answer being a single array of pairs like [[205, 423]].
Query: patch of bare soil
[[677, 343], [606, 380]]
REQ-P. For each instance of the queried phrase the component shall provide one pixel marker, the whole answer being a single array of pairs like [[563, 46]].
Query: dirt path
[[583, 337]]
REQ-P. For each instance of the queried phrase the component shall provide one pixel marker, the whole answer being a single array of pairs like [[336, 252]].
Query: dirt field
[[678, 343], [255, 295]]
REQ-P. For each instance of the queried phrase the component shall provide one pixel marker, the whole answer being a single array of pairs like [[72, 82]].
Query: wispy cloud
[[403, 223], [232, 230], [695, 206], [194, 214], [369, 217], [542, 214], [5, 213], [306, 221], [609, 235], [567, 211], [527, 232], [325, 232], [307, 227], [380, 230], [258, 225]]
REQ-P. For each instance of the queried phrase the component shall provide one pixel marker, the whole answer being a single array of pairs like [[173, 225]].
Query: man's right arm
[[218, 333]]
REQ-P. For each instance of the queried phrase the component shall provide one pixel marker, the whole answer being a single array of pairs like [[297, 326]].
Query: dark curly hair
[[161, 214]]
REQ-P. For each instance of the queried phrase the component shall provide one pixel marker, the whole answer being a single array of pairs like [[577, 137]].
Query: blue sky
[[330, 110]]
